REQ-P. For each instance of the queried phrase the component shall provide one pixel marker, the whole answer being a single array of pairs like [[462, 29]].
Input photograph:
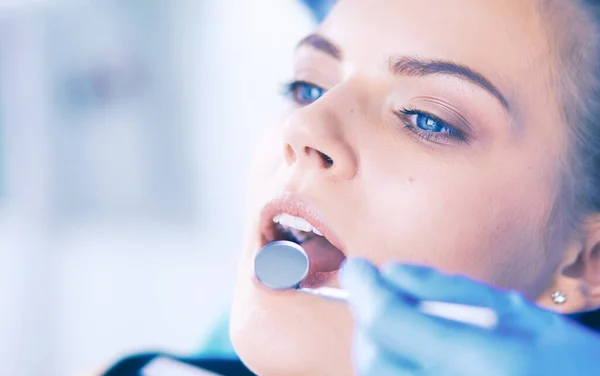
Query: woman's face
[[418, 131]]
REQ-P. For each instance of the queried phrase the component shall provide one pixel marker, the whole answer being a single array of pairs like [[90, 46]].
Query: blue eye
[[427, 123], [303, 92], [430, 127]]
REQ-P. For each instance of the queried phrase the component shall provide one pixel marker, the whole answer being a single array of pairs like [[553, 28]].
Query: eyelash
[[290, 91], [452, 133]]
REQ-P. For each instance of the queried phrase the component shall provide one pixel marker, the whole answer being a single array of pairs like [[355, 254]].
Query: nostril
[[290, 154], [311, 153], [327, 161]]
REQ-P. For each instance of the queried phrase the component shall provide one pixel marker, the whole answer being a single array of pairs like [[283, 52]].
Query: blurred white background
[[125, 132]]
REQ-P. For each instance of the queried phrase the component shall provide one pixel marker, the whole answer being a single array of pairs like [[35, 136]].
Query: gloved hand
[[393, 337]]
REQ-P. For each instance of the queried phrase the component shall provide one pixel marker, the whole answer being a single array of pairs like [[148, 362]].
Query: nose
[[317, 140]]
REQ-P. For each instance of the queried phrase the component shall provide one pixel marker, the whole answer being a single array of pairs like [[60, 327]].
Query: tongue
[[323, 256]]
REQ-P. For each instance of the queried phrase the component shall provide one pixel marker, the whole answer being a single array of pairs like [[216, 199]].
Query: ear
[[578, 276]]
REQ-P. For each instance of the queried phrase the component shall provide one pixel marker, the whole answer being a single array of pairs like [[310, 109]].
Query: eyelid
[[317, 73], [444, 111], [295, 80], [305, 82], [313, 78]]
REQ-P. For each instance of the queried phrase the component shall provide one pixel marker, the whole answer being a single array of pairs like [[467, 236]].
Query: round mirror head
[[281, 265]]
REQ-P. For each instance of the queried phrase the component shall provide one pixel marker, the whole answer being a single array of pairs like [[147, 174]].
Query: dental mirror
[[283, 265]]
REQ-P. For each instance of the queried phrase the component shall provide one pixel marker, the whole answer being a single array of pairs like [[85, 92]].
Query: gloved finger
[[372, 360], [424, 283], [393, 320]]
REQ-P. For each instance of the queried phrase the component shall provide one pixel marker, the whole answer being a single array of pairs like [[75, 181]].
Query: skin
[[488, 206]]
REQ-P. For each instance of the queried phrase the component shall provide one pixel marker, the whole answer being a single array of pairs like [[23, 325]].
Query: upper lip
[[298, 208]]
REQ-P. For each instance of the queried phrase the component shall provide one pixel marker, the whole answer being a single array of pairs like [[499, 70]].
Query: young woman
[[455, 145]]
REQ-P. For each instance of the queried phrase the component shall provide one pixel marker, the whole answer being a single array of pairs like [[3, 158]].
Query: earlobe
[[568, 292], [586, 268], [578, 275]]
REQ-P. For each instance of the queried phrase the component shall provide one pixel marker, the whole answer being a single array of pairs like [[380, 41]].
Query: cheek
[[458, 218]]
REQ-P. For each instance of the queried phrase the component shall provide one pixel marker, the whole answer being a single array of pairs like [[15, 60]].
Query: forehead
[[506, 40]]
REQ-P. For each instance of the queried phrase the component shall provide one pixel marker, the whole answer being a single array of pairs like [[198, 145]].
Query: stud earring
[[559, 297]]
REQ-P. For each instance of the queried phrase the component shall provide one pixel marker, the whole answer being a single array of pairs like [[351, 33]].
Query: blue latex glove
[[393, 337]]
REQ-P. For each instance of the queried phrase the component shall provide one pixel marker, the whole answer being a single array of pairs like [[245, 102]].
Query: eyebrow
[[322, 44], [412, 66]]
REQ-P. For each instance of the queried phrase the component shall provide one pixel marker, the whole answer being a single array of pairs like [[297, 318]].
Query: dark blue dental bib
[[159, 364]]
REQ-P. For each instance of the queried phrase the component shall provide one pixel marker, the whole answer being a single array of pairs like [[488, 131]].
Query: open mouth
[[293, 222]]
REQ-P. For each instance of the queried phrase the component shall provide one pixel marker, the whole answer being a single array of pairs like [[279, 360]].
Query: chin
[[289, 333]]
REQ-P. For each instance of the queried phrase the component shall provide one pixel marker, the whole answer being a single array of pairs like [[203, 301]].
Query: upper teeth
[[295, 222]]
